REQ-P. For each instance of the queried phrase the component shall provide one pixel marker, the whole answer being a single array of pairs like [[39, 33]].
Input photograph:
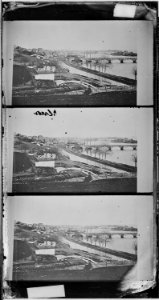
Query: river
[[77, 158], [125, 69], [103, 80], [125, 244], [125, 156], [119, 156], [118, 244]]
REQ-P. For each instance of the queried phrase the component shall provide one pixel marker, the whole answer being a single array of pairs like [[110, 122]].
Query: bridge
[[110, 147], [110, 59], [90, 56], [101, 237]]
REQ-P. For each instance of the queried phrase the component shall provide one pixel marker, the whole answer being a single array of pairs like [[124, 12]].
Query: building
[[47, 244], [46, 69], [45, 256], [45, 80], [45, 164], [47, 156], [46, 167]]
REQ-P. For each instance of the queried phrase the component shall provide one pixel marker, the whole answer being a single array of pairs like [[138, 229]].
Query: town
[[74, 164], [42, 76], [46, 252]]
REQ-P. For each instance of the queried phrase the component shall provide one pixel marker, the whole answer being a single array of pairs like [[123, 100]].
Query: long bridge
[[89, 57], [121, 146], [104, 235], [110, 59]]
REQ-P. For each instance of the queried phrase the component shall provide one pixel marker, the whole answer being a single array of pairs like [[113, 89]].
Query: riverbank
[[111, 185], [115, 165], [121, 254], [123, 80], [113, 98], [99, 274]]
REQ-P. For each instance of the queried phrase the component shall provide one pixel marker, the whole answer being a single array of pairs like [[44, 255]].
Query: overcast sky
[[73, 35], [76, 122], [77, 210]]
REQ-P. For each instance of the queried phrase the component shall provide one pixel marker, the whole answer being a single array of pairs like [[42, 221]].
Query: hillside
[[21, 162]]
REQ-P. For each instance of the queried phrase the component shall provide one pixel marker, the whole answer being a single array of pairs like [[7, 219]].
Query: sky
[[73, 35], [76, 210], [75, 122]]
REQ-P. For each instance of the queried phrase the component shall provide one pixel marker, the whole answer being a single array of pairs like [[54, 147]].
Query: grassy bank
[[101, 274], [121, 79], [119, 166], [114, 98], [111, 185], [117, 253]]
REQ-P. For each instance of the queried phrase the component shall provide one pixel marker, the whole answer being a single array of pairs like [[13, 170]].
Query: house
[[45, 164], [47, 156], [46, 244]]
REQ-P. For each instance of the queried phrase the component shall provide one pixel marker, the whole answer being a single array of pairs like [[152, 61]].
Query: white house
[[45, 164], [47, 155]]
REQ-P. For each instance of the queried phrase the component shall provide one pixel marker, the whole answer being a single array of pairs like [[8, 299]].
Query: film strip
[[15, 289]]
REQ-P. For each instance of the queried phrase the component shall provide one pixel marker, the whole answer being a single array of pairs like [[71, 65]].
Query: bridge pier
[[121, 60]]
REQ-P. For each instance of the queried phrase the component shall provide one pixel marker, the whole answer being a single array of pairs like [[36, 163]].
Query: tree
[[135, 247], [134, 159], [134, 71]]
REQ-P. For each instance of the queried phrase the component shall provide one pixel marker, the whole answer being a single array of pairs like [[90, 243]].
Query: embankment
[[119, 166], [120, 79], [121, 254]]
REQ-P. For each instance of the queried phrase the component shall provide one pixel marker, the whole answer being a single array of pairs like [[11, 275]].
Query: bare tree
[[134, 159], [134, 71], [135, 247]]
